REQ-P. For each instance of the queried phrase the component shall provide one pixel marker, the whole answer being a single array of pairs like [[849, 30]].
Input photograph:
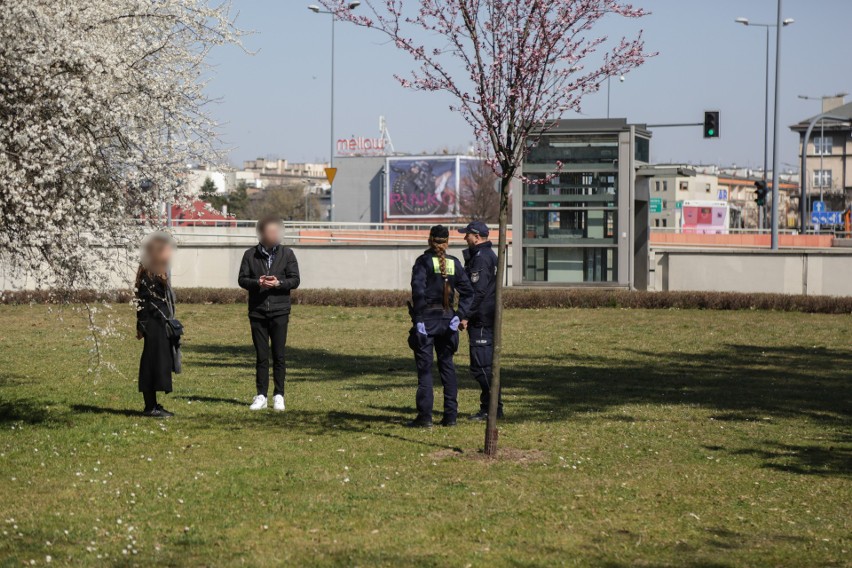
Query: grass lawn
[[651, 438]]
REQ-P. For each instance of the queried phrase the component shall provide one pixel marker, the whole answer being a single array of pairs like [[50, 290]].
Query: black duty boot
[[420, 422], [482, 415], [448, 421]]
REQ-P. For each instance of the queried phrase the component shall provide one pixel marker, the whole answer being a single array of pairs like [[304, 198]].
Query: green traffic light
[[711, 132]]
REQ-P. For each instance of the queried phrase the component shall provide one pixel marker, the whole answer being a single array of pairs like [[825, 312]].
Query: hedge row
[[514, 298]]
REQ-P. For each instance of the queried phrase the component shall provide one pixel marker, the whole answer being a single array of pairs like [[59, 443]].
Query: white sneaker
[[278, 402], [259, 403]]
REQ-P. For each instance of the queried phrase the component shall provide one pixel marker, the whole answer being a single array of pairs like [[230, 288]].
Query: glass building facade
[[576, 219]]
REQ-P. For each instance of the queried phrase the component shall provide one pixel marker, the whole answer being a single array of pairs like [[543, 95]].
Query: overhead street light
[[317, 10], [822, 99], [768, 27], [608, 91], [747, 22]]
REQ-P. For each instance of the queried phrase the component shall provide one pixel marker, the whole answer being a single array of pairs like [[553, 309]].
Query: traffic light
[[760, 198], [711, 124]]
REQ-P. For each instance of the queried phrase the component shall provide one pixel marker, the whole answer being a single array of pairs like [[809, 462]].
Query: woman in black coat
[[155, 309]]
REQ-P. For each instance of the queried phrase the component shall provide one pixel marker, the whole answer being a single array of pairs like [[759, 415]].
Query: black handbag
[[174, 329]]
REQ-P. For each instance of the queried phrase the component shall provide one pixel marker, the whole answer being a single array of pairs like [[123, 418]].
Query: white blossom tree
[[102, 105], [509, 67]]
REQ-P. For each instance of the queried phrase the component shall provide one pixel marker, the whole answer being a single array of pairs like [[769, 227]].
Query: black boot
[[482, 415], [420, 422], [448, 421], [163, 412]]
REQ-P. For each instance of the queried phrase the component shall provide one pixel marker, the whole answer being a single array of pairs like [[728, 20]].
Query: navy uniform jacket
[[427, 285], [480, 263]]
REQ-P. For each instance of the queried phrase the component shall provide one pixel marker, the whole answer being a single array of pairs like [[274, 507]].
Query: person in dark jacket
[[269, 272], [435, 279], [155, 307], [480, 263]]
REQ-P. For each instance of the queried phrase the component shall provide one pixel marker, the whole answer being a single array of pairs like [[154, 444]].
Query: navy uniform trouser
[[481, 356], [443, 342]]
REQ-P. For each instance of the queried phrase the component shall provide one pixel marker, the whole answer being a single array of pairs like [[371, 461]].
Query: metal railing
[[743, 231], [316, 232]]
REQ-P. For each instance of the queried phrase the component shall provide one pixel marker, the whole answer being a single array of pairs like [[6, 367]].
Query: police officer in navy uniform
[[480, 263], [435, 279]]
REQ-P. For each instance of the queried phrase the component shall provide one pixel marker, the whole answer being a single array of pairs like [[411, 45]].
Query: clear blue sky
[[276, 101]]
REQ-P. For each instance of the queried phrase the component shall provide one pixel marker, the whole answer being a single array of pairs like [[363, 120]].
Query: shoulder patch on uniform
[[474, 277]]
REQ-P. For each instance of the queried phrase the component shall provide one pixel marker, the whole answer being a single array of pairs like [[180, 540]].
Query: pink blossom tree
[[510, 67]]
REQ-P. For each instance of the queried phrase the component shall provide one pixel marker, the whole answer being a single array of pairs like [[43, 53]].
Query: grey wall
[[215, 265], [358, 189], [813, 272]]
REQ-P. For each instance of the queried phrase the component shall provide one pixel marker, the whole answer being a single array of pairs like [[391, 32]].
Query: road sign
[[822, 217], [656, 205], [330, 173], [678, 205], [819, 206]]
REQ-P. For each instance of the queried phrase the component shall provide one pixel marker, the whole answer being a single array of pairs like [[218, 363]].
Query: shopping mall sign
[[361, 146]]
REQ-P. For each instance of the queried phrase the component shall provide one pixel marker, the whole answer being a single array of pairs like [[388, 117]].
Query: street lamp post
[[822, 99], [317, 10], [747, 22], [608, 92]]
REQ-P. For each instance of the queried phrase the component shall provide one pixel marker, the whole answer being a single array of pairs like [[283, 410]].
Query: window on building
[[665, 186], [684, 185], [823, 145], [664, 222], [657, 186], [656, 222], [665, 203], [707, 188], [822, 178]]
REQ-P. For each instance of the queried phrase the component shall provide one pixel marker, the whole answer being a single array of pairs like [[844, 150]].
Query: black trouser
[[262, 331], [150, 397], [443, 342], [481, 356]]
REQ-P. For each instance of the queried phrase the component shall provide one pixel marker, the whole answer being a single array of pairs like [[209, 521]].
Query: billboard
[[705, 217], [420, 187]]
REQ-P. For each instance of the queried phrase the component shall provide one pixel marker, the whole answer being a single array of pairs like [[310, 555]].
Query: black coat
[[268, 302], [480, 263], [156, 364]]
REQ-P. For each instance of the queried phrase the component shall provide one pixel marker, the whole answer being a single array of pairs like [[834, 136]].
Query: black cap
[[439, 232], [477, 228]]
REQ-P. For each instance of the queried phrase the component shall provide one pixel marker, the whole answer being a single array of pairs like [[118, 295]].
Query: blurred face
[[472, 239], [271, 235], [159, 257]]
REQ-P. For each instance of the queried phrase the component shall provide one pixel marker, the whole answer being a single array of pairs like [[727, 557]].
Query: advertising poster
[[422, 187], [707, 217]]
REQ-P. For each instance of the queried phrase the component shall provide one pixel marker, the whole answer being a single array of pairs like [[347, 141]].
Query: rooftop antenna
[[385, 134]]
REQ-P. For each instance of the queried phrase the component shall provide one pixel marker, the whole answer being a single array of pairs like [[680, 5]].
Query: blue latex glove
[[454, 323], [421, 328]]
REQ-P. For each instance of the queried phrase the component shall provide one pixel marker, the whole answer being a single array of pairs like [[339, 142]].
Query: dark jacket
[[480, 263], [268, 302], [156, 363], [427, 285]]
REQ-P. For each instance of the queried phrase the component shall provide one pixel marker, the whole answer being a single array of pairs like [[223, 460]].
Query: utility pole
[[775, 128]]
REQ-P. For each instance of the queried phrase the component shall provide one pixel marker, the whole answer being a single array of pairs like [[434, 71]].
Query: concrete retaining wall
[[211, 264], [810, 272]]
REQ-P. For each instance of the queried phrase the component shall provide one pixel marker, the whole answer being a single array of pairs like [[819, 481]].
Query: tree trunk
[[491, 424]]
